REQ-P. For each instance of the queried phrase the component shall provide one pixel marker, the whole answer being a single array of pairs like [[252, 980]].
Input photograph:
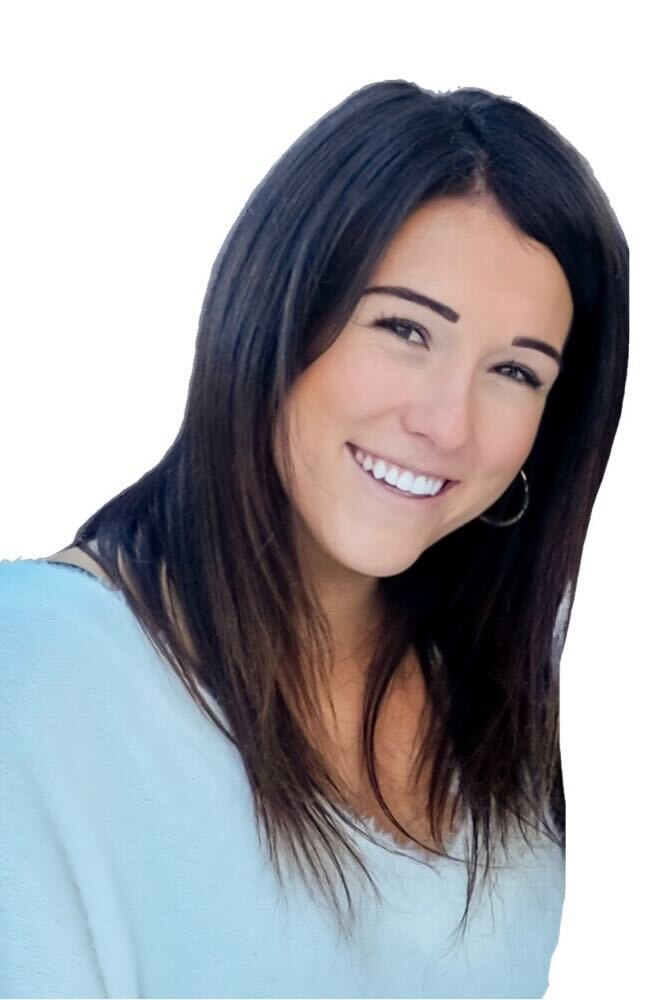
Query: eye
[[395, 324], [527, 375], [403, 328]]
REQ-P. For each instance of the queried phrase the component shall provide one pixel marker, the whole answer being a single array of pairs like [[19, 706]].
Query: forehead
[[466, 253]]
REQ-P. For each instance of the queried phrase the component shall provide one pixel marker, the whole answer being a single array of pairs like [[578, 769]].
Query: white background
[[132, 135]]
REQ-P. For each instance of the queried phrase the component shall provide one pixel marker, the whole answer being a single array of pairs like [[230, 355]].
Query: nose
[[444, 412]]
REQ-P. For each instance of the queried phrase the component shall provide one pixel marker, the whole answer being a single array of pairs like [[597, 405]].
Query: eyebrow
[[401, 292]]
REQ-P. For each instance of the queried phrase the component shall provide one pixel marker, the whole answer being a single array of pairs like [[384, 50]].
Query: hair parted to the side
[[212, 524]]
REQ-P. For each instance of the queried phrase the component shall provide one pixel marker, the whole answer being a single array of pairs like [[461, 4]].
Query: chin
[[378, 564]]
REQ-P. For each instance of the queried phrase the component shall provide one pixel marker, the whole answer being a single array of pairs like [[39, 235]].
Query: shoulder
[[77, 675], [72, 653], [82, 688], [40, 599], [64, 639]]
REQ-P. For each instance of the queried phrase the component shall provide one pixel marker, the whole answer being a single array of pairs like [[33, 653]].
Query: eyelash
[[390, 322]]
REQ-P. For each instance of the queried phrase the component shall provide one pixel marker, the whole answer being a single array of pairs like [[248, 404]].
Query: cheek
[[366, 386], [344, 387], [508, 442]]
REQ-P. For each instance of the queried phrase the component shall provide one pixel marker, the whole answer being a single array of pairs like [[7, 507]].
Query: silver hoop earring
[[511, 520]]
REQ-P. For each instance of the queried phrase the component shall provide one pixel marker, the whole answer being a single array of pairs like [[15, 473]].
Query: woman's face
[[449, 395]]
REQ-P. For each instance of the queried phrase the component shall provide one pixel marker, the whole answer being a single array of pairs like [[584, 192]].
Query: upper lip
[[400, 465]]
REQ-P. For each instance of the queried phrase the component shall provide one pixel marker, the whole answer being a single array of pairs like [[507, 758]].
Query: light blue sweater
[[130, 864]]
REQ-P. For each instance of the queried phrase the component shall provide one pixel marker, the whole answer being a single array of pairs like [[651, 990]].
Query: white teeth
[[402, 479], [405, 481]]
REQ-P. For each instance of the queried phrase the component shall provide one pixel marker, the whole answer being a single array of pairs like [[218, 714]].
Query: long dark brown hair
[[212, 524]]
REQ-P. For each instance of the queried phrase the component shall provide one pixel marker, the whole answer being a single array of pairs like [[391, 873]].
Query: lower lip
[[382, 489]]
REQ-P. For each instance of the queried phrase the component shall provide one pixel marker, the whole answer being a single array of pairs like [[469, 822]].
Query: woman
[[359, 557]]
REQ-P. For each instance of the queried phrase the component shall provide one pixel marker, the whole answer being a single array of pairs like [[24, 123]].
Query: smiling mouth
[[394, 491]]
